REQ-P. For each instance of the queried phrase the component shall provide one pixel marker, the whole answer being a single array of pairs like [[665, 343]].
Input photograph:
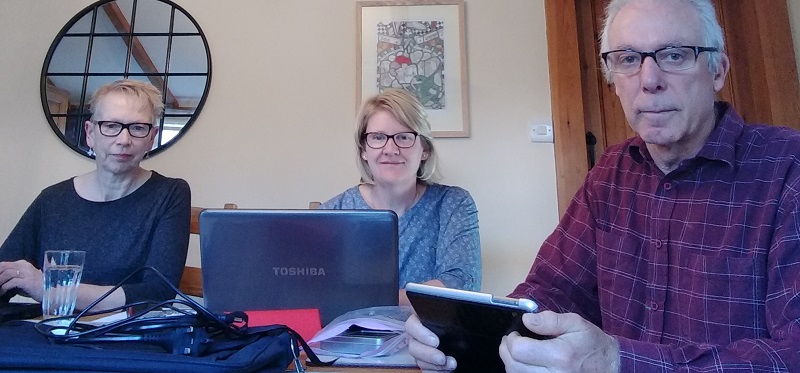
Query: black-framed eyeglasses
[[668, 59], [377, 140], [111, 128]]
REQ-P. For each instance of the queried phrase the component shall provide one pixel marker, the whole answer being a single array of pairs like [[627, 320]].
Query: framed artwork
[[417, 45]]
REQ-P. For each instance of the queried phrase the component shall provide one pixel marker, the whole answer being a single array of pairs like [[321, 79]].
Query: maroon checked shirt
[[697, 270]]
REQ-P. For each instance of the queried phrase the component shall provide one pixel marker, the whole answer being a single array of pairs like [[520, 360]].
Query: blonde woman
[[438, 224]]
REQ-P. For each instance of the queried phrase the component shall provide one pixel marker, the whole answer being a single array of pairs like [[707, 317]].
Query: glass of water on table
[[62, 270]]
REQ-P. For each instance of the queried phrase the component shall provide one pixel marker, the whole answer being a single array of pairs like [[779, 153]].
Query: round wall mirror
[[150, 40]]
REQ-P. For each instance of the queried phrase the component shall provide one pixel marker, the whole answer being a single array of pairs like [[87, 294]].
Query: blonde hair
[[146, 93], [408, 111]]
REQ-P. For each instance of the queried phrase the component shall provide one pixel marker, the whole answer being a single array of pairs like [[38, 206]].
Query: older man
[[681, 251]]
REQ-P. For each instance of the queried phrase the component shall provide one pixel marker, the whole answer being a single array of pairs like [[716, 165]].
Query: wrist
[[612, 355]]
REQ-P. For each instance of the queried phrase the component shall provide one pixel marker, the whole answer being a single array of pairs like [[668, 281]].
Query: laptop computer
[[332, 260]]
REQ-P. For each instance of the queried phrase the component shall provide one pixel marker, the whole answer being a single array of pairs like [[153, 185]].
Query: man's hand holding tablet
[[469, 325]]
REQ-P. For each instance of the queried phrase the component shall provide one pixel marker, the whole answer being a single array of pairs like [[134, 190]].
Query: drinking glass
[[62, 270]]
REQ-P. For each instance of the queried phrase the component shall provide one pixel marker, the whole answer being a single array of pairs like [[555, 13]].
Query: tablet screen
[[469, 330]]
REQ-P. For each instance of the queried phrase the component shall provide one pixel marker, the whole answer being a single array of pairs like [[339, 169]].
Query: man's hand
[[422, 346], [577, 346], [23, 276]]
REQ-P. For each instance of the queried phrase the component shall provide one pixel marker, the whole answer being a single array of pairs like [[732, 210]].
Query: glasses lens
[[623, 61], [110, 128], [405, 139], [376, 140], [139, 129], [675, 58]]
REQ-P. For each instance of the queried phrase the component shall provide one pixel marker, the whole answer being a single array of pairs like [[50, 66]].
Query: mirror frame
[[83, 113]]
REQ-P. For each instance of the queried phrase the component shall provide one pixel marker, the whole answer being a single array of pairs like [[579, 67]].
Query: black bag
[[194, 341], [265, 349]]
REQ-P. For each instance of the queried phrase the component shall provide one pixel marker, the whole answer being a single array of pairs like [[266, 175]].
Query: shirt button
[[667, 186], [658, 244], [653, 306]]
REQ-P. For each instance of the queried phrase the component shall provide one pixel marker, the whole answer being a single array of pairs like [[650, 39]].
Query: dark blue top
[[149, 227]]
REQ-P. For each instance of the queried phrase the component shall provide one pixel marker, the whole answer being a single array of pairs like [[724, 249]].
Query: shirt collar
[[721, 143], [719, 146]]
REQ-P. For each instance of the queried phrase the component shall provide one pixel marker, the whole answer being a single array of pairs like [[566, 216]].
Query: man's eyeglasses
[[377, 140], [668, 59], [111, 128]]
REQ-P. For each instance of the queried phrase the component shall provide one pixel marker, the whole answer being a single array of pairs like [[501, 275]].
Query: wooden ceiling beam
[[138, 52]]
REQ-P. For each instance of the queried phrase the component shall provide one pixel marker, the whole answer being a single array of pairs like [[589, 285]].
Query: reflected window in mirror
[[150, 40]]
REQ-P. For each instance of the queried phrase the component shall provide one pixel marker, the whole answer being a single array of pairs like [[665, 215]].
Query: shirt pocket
[[721, 299]]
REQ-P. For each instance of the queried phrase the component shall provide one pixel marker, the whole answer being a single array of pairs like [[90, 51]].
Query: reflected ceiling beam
[[137, 51]]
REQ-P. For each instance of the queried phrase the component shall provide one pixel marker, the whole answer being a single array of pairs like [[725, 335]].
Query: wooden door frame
[[567, 102], [768, 93]]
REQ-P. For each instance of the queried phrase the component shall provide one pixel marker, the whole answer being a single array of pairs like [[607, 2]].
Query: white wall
[[284, 71], [794, 22]]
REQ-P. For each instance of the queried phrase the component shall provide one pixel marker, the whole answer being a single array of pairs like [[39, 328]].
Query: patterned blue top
[[438, 236]]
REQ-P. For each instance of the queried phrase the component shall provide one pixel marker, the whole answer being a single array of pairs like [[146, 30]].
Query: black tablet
[[470, 325], [19, 311]]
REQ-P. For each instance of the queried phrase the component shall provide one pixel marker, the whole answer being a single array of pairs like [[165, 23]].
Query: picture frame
[[418, 45]]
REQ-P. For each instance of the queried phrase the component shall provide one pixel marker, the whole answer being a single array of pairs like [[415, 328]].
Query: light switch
[[540, 132]]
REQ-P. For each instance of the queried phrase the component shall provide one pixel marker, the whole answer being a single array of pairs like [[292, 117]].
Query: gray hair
[[712, 31], [148, 95]]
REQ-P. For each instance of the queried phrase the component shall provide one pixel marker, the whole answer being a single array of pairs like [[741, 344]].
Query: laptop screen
[[333, 260]]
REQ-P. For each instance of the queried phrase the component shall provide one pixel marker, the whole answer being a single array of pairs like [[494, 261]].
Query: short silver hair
[[712, 31], [148, 95]]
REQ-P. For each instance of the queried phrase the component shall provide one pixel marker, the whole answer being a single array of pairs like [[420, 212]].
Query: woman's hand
[[23, 276]]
